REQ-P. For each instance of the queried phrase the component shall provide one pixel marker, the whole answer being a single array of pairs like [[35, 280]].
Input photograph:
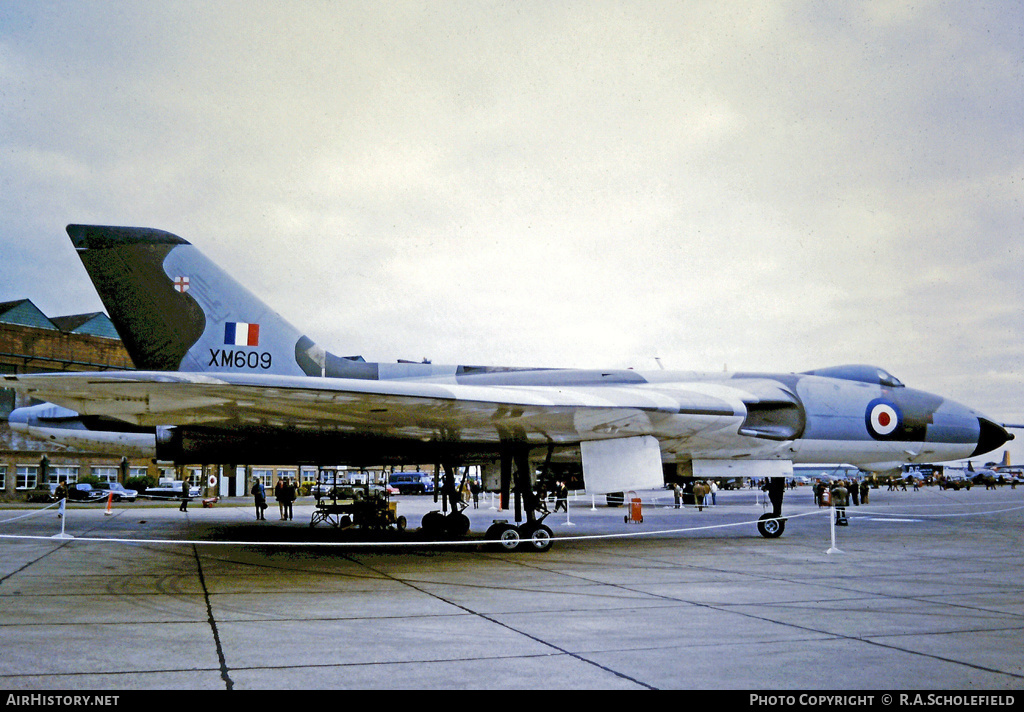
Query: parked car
[[412, 482], [42, 493], [84, 492], [120, 492], [171, 491], [323, 488]]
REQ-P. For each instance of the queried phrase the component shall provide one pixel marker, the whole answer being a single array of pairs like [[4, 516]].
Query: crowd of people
[[839, 493], [851, 491], [704, 492], [286, 491]]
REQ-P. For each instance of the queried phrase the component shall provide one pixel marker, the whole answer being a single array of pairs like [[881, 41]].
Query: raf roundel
[[882, 418]]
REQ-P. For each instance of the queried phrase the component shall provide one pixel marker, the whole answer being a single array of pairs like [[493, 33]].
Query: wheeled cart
[[636, 510], [371, 512]]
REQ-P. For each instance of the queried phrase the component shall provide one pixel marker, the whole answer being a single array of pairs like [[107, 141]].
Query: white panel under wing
[[708, 469], [621, 464]]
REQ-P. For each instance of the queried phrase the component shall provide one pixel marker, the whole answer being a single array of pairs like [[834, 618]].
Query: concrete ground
[[923, 590]]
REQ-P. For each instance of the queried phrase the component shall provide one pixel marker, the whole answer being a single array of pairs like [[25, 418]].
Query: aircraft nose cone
[[991, 436], [18, 420]]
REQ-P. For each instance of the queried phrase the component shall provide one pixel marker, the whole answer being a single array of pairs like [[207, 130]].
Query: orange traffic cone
[[110, 498]]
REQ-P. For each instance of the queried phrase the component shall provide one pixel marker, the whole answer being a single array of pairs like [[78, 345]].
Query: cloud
[[768, 186]]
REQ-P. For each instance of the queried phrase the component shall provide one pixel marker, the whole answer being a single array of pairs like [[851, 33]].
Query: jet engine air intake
[[773, 420]]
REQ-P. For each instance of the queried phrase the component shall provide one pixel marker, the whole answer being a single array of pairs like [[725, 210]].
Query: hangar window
[[26, 476], [196, 476], [265, 476], [105, 473], [69, 473]]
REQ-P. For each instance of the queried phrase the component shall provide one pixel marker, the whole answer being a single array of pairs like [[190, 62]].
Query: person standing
[[185, 491], [260, 498], [840, 498], [562, 497], [700, 491], [61, 495], [279, 496], [289, 493]]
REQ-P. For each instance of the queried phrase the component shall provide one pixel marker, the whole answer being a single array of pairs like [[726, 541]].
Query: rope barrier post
[[832, 522], [63, 519], [567, 522]]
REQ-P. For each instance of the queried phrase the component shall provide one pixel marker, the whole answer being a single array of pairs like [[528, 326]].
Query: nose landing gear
[[772, 525]]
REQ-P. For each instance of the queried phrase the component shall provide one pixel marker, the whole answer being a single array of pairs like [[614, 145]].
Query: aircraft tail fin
[[176, 310]]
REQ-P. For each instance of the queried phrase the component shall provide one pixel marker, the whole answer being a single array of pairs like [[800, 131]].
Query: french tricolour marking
[[237, 333]]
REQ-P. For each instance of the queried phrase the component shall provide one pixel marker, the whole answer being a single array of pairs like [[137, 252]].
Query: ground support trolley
[[371, 513], [636, 510], [337, 514]]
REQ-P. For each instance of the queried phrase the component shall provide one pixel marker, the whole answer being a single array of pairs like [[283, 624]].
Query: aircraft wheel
[[432, 524], [401, 523], [456, 524], [770, 527], [536, 538], [505, 536]]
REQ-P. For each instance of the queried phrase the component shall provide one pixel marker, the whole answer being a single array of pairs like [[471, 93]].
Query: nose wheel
[[771, 526]]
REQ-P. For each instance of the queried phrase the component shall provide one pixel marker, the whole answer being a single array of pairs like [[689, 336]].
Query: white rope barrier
[[829, 511], [406, 544], [33, 513], [876, 513]]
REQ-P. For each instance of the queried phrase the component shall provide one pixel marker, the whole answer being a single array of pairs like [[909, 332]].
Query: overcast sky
[[754, 186]]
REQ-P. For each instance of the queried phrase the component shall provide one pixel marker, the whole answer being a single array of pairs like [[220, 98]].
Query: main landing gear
[[531, 536], [455, 524], [440, 524]]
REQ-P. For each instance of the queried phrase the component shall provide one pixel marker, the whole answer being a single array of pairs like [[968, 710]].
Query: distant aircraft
[[68, 428], [224, 379]]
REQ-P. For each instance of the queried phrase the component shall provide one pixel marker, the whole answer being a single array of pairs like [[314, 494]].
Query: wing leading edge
[[401, 409]]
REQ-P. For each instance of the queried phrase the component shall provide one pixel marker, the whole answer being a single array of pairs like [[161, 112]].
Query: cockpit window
[[887, 379], [862, 374]]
